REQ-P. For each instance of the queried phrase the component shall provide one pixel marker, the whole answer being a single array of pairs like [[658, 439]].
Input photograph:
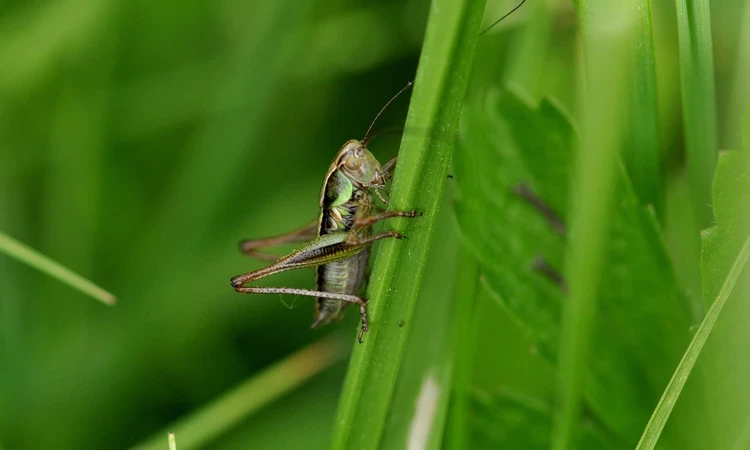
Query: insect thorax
[[342, 203]]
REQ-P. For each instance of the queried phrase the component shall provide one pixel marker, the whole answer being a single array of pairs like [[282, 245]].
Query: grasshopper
[[338, 242]]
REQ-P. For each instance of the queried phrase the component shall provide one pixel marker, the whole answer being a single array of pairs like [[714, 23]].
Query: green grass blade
[[172, 442], [674, 388], [641, 154], [698, 101], [737, 104], [467, 288], [426, 363], [608, 33], [202, 427], [31, 257], [528, 57], [439, 90]]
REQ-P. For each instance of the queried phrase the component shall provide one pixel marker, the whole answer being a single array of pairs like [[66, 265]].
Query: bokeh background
[[140, 141]]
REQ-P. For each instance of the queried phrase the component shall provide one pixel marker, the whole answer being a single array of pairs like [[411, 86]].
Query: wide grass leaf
[[643, 320], [726, 249], [508, 419], [728, 368]]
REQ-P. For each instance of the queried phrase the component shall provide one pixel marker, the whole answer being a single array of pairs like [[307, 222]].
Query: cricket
[[338, 243]]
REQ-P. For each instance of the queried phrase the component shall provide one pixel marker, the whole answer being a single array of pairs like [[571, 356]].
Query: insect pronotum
[[338, 242]]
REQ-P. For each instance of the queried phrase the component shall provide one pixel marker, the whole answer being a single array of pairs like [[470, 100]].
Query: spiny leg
[[316, 294], [321, 250], [380, 196], [251, 247]]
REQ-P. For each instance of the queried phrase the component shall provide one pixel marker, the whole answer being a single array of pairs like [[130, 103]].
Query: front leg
[[363, 222], [389, 167], [382, 176]]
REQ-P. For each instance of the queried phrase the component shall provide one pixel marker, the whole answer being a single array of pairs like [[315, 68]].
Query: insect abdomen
[[341, 277]]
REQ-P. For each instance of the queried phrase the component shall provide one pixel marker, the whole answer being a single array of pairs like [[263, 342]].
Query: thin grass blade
[[31, 257], [609, 31], [206, 424], [661, 414]]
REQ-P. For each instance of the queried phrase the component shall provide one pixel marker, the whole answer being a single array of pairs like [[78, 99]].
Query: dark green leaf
[[642, 326], [512, 420]]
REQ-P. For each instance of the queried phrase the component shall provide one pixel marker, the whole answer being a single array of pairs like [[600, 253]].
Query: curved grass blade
[[661, 414], [725, 251], [211, 421], [440, 86], [31, 257]]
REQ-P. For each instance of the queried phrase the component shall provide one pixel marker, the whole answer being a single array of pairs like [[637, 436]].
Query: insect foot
[[363, 313], [237, 282]]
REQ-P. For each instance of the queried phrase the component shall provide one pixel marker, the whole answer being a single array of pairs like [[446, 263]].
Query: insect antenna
[[385, 131], [366, 139], [501, 19]]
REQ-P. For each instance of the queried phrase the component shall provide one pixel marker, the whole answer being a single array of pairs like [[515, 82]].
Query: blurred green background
[[140, 141]]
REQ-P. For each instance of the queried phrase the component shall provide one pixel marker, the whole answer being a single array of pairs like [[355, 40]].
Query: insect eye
[[353, 162]]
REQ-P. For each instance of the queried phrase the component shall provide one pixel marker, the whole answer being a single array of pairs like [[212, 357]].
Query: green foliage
[[140, 141], [726, 249], [211, 421], [637, 340], [527, 424], [722, 243], [699, 101]]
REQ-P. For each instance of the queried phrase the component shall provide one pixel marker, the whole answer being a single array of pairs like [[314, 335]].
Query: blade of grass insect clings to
[[440, 86], [609, 30], [426, 374], [31, 257], [698, 102], [202, 427]]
